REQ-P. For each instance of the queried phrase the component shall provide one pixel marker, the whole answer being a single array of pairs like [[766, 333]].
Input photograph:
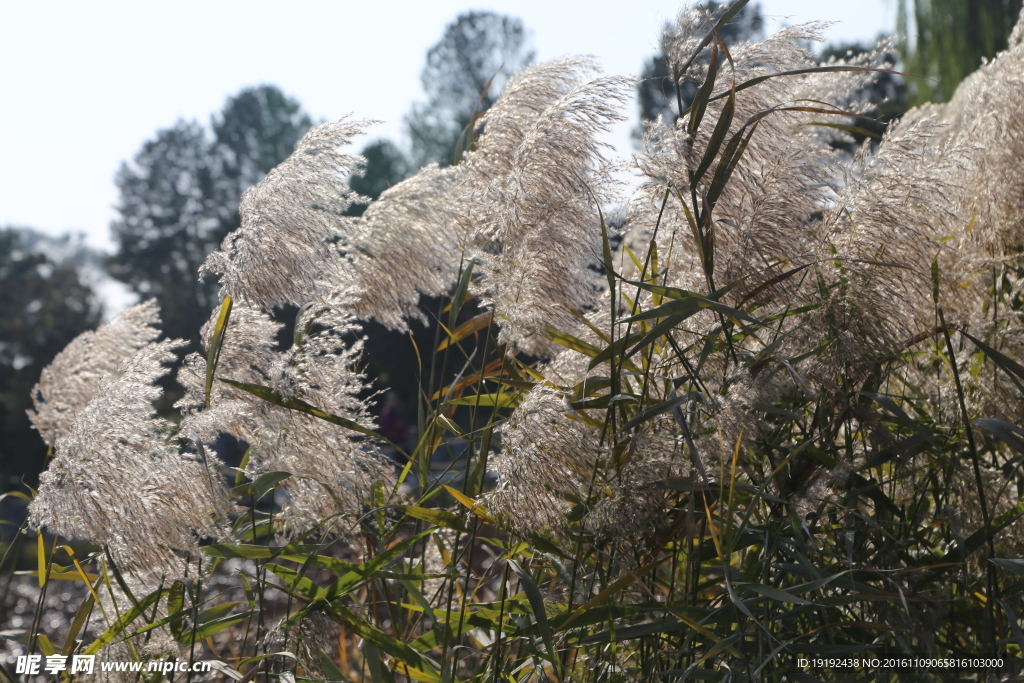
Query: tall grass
[[772, 417]]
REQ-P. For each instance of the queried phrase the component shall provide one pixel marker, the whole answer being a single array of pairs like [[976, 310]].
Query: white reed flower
[[531, 193], [247, 353], [282, 249], [785, 176], [334, 467], [70, 381], [402, 248], [119, 480], [886, 226], [548, 457]]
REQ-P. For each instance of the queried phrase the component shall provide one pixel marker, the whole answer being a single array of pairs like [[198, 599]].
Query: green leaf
[[118, 627], [975, 540], [537, 605], [812, 70], [217, 625], [508, 399], [682, 294], [45, 645], [684, 308], [216, 343], [441, 518], [260, 658], [83, 613], [774, 593], [1010, 366], [630, 631], [471, 326], [717, 137], [240, 470], [379, 503], [392, 646], [1011, 618], [856, 130], [331, 670], [338, 567], [1014, 566], [301, 586], [515, 383], [571, 342], [655, 410], [459, 297], [614, 349], [233, 550], [1002, 430], [907, 447], [175, 609], [273, 396], [703, 94], [727, 164], [43, 572], [354, 575], [267, 482], [606, 255], [726, 17], [768, 284], [589, 387], [216, 612], [893, 408], [618, 585]]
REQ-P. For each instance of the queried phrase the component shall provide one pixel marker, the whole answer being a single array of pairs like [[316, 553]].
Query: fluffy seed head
[[281, 250], [118, 479], [531, 195], [71, 380]]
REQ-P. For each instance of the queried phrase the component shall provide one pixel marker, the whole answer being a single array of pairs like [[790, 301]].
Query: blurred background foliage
[[179, 199], [179, 195], [48, 301], [952, 37]]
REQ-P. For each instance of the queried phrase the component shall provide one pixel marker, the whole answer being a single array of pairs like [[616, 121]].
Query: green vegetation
[[952, 38]]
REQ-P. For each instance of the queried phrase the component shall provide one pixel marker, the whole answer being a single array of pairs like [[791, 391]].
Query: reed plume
[[70, 381], [402, 248], [282, 248], [119, 479], [334, 468], [530, 196]]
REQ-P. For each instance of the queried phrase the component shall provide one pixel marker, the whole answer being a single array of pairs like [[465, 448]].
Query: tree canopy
[[180, 198], [46, 304], [464, 75]]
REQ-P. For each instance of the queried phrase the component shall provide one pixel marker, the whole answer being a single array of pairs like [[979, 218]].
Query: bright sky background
[[86, 83]]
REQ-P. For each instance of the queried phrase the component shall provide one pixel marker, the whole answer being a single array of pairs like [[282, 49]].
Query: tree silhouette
[[45, 305], [464, 74], [180, 198]]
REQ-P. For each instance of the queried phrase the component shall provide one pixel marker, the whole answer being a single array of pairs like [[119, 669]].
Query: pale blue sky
[[87, 83]]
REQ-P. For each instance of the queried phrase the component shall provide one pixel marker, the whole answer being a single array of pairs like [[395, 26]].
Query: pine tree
[[463, 77], [180, 198]]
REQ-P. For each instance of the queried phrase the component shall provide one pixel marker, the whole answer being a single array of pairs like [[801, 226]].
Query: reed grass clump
[[774, 415]]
